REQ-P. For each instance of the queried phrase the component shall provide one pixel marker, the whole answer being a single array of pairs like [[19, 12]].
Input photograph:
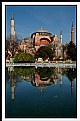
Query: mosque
[[41, 37]]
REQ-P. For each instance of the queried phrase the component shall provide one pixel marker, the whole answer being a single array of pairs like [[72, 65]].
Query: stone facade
[[41, 38]]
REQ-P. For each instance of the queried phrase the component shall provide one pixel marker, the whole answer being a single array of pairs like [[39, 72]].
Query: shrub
[[23, 57]]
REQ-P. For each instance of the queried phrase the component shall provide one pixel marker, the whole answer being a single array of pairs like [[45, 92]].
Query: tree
[[71, 51], [23, 57], [8, 43], [12, 45], [44, 52], [64, 51]]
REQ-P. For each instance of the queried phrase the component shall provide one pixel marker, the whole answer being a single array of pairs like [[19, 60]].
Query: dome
[[42, 30]]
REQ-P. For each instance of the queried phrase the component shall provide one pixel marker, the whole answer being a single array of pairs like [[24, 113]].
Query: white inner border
[[3, 59]]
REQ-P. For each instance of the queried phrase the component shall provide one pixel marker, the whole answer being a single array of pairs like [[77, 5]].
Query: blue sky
[[30, 18]]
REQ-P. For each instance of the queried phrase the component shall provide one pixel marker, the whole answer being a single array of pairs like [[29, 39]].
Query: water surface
[[41, 92]]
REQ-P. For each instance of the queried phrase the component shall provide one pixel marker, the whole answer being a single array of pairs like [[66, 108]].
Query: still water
[[41, 92]]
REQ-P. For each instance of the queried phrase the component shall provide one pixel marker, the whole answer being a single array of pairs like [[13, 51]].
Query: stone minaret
[[12, 35], [12, 26], [61, 37], [72, 33]]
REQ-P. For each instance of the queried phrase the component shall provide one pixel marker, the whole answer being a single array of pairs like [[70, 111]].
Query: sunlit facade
[[41, 37]]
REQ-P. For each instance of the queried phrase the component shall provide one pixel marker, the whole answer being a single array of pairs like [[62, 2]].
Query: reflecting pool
[[48, 92]]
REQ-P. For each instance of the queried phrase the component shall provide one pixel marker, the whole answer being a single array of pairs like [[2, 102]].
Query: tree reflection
[[23, 71], [45, 73], [71, 74]]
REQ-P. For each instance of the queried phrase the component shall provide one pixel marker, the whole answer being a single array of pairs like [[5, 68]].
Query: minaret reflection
[[60, 80], [58, 72], [55, 75], [71, 75], [13, 85], [13, 81], [72, 87]]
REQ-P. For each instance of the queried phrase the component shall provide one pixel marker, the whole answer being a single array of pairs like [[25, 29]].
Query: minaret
[[12, 35], [12, 26], [72, 33], [61, 37]]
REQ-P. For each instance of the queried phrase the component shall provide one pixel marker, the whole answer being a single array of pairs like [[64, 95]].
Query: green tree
[[71, 51], [23, 57], [44, 52]]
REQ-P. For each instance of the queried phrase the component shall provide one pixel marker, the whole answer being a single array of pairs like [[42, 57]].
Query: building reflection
[[41, 78], [54, 78]]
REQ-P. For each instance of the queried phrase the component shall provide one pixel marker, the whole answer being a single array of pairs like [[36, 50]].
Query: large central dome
[[42, 30]]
